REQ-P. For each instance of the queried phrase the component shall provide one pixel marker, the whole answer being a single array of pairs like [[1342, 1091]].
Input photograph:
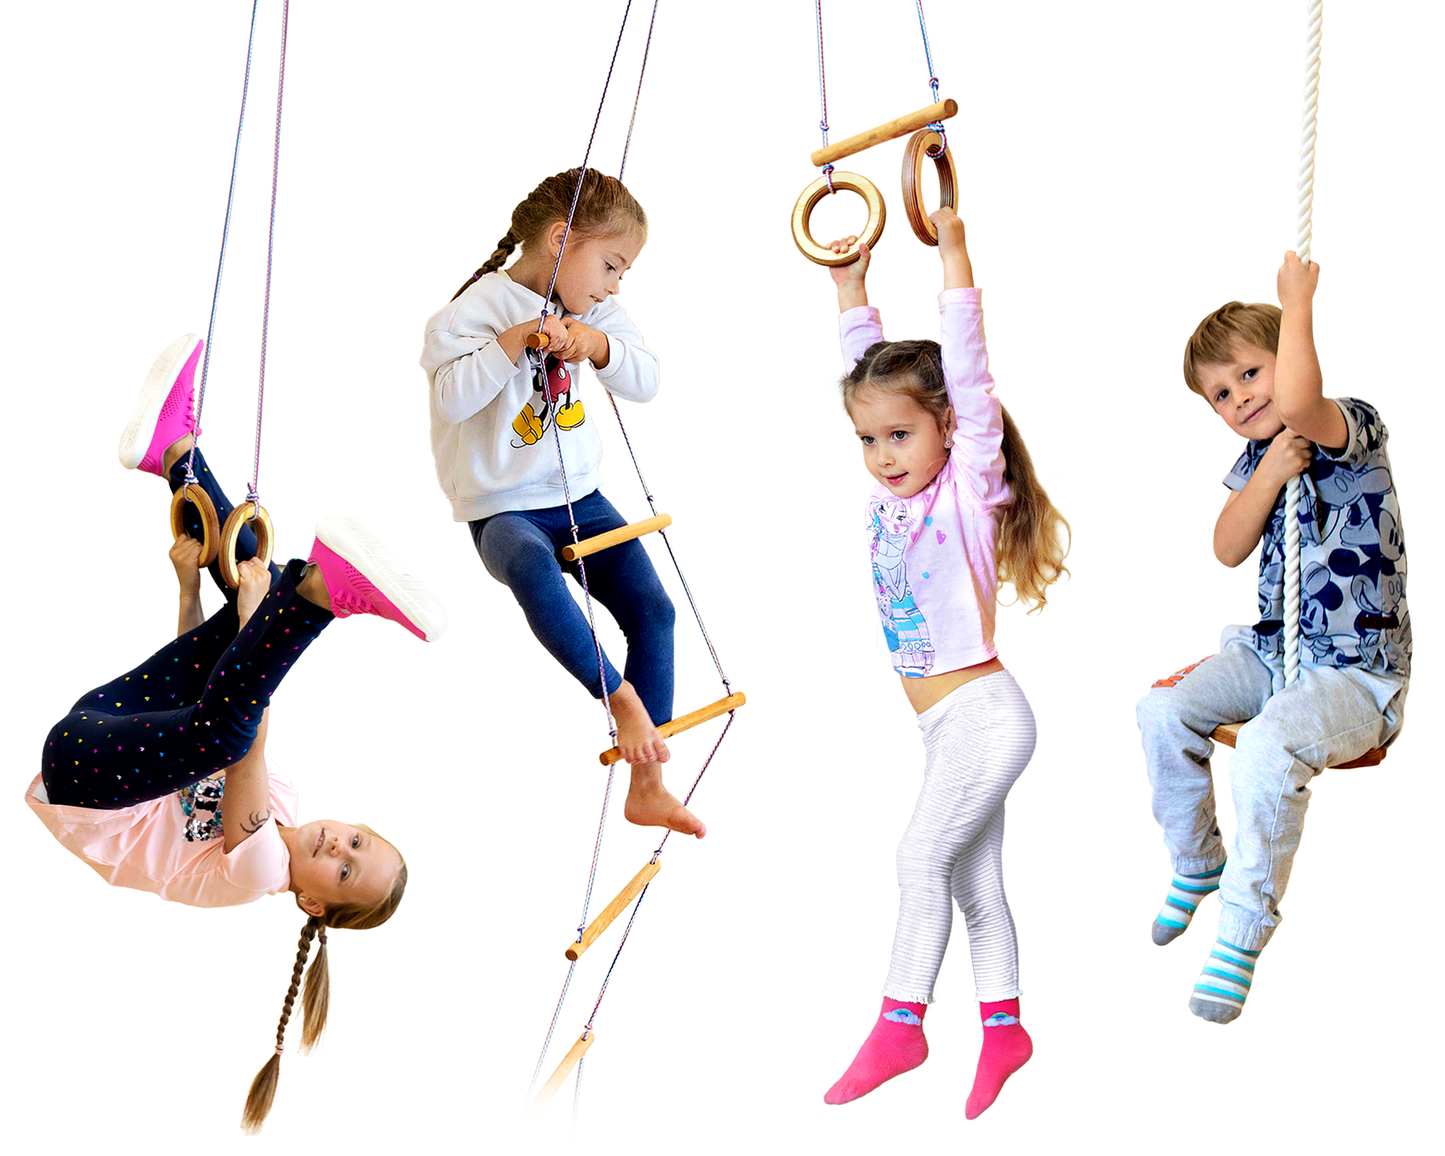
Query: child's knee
[[1156, 711]]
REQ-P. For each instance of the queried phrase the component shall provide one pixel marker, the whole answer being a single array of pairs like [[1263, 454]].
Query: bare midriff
[[926, 692]]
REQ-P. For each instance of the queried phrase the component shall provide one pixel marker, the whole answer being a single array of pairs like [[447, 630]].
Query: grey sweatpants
[[1329, 715], [978, 740]]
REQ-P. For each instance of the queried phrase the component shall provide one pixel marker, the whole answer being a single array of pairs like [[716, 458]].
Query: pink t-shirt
[[934, 573], [146, 846]]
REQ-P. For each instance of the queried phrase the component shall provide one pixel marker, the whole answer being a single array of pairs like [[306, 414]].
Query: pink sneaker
[[363, 578], [164, 412]]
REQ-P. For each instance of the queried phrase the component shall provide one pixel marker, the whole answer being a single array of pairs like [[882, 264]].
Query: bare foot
[[255, 581], [181, 445], [637, 737], [650, 804], [312, 587]]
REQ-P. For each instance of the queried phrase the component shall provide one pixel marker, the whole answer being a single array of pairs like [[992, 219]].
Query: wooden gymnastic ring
[[919, 145], [815, 192], [210, 524], [245, 512]]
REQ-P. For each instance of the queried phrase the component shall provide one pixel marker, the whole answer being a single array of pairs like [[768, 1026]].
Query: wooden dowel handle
[[538, 341], [569, 1061], [614, 909], [615, 537], [894, 128], [686, 722]]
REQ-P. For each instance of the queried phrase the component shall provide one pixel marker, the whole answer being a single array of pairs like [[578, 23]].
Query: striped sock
[[1222, 986], [1185, 893]]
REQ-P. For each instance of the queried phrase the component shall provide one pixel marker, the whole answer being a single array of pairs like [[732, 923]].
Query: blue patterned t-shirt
[[1352, 553]]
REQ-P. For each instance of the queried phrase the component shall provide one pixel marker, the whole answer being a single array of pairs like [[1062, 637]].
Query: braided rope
[[221, 261], [936, 126], [253, 493], [1313, 25], [641, 72]]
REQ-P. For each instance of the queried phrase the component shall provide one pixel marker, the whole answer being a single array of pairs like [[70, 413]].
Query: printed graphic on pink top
[[932, 555]]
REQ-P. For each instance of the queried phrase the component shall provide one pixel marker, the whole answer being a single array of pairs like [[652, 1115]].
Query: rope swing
[[580, 549], [1228, 734]]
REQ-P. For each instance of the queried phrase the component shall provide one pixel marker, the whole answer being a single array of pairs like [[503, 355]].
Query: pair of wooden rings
[[928, 143], [217, 541]]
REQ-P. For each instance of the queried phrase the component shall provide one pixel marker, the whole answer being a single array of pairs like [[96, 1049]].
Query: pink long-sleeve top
[[157, 846], [934, 574]]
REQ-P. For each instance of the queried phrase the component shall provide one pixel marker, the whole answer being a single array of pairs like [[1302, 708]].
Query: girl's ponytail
[[1030, 549], [263, 1087], [504, 249]]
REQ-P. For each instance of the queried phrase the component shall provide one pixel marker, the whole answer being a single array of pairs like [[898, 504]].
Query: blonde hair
[[316, 998], [1029, 551], [604, 208], [1216, 337]]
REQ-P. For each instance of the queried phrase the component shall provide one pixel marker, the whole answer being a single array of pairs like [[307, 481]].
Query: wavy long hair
[[1033, 537]]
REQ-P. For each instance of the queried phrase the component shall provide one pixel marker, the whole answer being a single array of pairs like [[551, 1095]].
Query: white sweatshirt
[[484, 408]]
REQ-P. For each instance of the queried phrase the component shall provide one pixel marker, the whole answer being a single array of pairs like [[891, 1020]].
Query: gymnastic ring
[[919, 146], [210, 524], [238, 517], [872, 230]]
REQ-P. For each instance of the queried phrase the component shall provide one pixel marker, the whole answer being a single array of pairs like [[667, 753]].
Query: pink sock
[[1006, 1048], [894, 1046]]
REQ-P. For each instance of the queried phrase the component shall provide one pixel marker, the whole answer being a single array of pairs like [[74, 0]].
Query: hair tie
[[280, 1048], [322, 937]]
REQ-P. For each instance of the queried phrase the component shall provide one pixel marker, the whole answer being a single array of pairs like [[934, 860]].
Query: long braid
[[504, 249], [263, 1087]]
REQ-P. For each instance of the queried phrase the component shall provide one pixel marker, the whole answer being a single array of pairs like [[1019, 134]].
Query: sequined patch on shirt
[[201, 803]]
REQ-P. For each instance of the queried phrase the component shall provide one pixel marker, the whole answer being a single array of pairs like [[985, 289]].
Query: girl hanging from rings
[[956, 511], [159, 779], [493, 425]]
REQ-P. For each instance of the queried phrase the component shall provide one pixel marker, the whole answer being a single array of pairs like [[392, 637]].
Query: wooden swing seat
[[1228, 735]]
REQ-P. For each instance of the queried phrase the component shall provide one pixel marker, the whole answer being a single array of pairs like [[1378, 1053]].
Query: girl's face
[[903, 444], [592, 267], [333, 863]]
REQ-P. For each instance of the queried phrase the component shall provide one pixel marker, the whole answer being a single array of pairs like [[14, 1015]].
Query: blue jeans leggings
[[190, 709], [521, 549]]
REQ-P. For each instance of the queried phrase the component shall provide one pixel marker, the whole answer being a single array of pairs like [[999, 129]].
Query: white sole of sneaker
[[355, 542], [136, 438]]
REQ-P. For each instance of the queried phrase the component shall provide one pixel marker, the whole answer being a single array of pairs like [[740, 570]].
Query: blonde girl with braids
[[498, 428], [956, 512], [159, 780]]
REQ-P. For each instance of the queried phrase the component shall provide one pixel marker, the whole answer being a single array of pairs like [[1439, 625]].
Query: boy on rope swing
[[1256, 366]]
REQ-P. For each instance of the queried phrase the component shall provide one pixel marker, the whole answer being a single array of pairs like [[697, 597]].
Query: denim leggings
[[520, 548], [190, 709]]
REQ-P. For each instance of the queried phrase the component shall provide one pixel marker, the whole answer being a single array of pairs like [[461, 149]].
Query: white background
[[1125, 167]]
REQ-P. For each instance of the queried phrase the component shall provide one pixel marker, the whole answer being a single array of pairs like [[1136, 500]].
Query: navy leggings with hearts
[[190, 709]]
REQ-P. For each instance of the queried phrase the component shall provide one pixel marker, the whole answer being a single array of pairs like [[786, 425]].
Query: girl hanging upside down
[[492, 433], [956, 510], [158, 779]]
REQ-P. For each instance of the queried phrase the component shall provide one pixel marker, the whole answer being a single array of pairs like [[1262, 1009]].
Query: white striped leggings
[[978, 741]]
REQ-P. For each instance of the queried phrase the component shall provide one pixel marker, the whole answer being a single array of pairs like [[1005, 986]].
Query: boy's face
[[1242, 392]]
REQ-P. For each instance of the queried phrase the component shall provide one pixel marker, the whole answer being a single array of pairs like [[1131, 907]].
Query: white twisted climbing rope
[[1313, 23]]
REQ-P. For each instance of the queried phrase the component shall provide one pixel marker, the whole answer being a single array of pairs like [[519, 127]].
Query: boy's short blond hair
[[1214, 340]]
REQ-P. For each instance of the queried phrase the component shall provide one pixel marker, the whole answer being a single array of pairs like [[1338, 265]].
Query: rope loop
[[828, 174]]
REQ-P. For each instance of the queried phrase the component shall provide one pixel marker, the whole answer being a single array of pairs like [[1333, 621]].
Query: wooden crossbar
[[889, 131], [614, 909], [686, 722], [1228, 735], [616, 537], [569, 1061]]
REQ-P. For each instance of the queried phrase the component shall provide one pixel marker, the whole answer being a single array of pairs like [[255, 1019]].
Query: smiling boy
[[1256, 366]]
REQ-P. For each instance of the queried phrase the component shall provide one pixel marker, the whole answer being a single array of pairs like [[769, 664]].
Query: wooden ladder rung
[[614, 909], [569, 1061], [615, 537], [1228, 735], [902, 126], [686, 722]]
